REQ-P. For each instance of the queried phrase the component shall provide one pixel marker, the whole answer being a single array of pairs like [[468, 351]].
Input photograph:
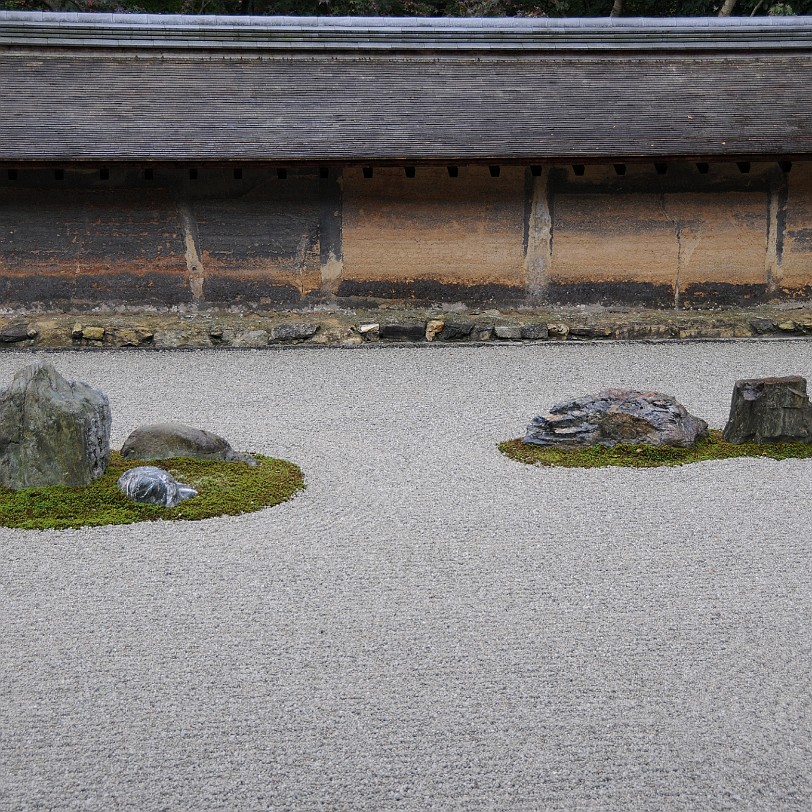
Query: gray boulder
[[52, 431], [161, 441], [617, 416], [770, 410], [153, 486]]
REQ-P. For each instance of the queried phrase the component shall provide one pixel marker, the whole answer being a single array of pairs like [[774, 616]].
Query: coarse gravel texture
[[430, 626]]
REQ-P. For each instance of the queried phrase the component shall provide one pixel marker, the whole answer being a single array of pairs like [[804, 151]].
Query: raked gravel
[[430, 626]]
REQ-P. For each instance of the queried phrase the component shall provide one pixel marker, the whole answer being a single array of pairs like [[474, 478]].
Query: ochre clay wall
[[219, 234], [433, 235], [682, 236]]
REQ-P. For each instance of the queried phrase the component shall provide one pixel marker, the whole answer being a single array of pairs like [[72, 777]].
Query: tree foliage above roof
[[427, 8]]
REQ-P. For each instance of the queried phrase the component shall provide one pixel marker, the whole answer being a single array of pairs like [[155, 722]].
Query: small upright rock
[[434, 327], [52, 431], [770, 410], [154, 486], [162, 441], [617, 416]]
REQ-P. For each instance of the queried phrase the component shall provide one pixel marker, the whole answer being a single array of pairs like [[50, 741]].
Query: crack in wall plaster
[[194, 264]]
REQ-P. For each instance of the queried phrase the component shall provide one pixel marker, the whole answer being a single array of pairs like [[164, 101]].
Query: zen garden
[[57, 469], [405, 412]]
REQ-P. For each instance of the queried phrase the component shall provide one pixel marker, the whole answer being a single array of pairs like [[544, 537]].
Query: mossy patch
[[224, 489], [648, 456]]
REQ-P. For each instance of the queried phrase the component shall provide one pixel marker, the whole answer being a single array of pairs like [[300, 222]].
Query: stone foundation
[[342, 327]]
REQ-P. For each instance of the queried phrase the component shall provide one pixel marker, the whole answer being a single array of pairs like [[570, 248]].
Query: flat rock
[[590, 331], [93, 333], [404, 331], [508, 332], [296, 331], [52, 431], [762, 326], [617, 416], [482, 332], [534, 332], [12, 333], [162, 441], [153, 486], [770, 410], [251, 339]]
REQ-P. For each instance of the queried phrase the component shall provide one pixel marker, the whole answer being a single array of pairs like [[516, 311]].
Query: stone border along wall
[[345, 329]]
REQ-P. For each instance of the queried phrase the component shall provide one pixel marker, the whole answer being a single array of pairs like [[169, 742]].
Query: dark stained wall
[[76, 241], [258, 235], [794, 214]]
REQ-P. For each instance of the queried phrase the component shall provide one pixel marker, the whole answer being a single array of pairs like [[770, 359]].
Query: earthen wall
[[679, 233]]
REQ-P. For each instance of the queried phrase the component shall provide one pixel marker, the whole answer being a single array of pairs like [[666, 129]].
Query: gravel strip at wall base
[[430, 626]]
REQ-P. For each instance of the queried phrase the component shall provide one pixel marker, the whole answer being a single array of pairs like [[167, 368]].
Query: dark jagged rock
[[153, 486], [455, 331], [161, 441], [770, 410], [52, 431], [617, 416]]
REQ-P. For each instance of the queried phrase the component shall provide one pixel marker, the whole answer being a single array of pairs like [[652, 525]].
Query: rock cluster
[[770, 410], [52, 431], [617, 416]]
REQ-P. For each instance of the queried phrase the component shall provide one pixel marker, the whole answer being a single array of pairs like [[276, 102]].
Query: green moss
[[648, 456], [224, 489]]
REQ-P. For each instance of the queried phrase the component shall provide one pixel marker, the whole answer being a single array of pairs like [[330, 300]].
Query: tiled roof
[[165, 88]]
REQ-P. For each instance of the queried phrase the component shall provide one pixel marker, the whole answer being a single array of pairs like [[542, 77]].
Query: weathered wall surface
[[630, 234], [87, 243], [794, 215], [432, 235], [644, 237], [165, 235], [257, 236]]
